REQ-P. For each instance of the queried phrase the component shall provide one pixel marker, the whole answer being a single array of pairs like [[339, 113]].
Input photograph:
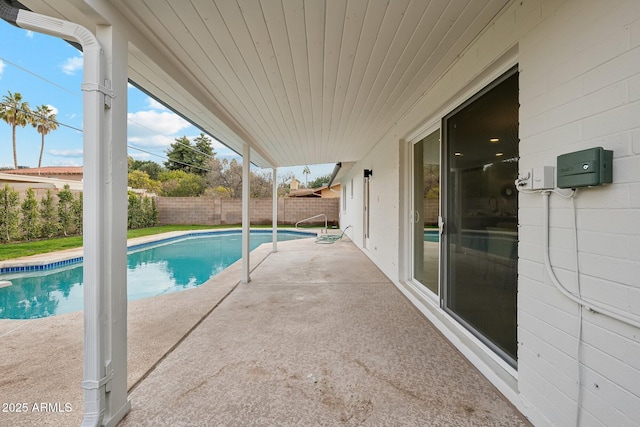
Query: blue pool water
[[160, 268], [431, 235]]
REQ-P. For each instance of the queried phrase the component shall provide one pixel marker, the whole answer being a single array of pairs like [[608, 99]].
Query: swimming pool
[[431, 235], [152, 269]]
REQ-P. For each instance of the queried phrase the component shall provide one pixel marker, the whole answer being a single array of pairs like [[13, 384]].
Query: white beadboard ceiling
[[301, 81]]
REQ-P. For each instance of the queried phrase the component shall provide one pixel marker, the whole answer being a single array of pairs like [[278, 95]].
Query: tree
[[284, 184], [261, 184], [135, 215], [203, 154], [44, 121], [65, 209], [179, 155], [48, 216], [306, 171], [151, 168], [153, 213], [179, 183], [8, 212], [29, 223], [184, 156], [320, 181], [149, 211], [141, 180], [225, 180], [16, 113], [431, 181], [226, 176], [76, 207]]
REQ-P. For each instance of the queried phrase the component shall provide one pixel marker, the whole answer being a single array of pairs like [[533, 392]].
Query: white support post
[[105, 213], [275, 210], [113, 192], [246, 164], [95, 255], [105, 239]]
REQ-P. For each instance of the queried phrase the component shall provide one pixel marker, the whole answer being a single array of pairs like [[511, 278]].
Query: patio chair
[[331, 238]]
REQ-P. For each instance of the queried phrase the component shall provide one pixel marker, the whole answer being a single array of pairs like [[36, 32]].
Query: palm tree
[[44, 120], [15, 113], [306, 171]]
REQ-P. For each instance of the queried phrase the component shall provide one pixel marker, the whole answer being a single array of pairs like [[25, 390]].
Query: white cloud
[[150, 123], [137, 155], [65, 153], [53, 109], [71, 65], [224, 152], [156, 128], [151, 141], [2, 65], [67, 162], [29, 34], [155, 105]]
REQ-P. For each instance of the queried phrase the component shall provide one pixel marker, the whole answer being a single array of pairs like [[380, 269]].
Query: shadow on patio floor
[[318, 337]]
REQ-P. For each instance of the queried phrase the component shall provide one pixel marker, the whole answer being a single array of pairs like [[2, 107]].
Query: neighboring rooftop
[[59, 172], [49, 178], [323, 191]]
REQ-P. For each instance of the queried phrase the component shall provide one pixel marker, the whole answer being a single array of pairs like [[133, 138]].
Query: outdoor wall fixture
[[368, 173]]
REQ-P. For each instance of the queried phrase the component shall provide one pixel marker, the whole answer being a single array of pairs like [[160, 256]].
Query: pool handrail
[[314, 217]]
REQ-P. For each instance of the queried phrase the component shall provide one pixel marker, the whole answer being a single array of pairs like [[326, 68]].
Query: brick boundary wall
[[218, 211]]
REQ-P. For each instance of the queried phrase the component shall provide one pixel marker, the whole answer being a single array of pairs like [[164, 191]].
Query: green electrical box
[[586, 168]]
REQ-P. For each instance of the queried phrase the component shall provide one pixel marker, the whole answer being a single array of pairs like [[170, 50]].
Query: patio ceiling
[[301, 81]]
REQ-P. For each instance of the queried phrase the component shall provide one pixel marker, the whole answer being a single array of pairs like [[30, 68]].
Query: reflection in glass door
[[481, 234], [426, 211]]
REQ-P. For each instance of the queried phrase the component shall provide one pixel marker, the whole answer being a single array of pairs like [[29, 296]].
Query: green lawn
[[16, 250]]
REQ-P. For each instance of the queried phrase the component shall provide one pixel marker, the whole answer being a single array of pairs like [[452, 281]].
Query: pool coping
[[53, 260]]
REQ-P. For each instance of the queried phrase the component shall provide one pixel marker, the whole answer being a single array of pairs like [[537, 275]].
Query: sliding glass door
[[480, 244], [426, 211]]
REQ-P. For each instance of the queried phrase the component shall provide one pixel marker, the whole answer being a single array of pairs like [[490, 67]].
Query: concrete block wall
[[231, 211], [217, 211], [294, 209], [40, 193], [579, 88]]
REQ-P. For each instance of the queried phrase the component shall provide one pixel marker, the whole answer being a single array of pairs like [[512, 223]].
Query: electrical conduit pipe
[[595, 307]]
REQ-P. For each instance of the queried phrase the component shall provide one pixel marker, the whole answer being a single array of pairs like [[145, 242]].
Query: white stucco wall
[[382, 245], [579, 78]]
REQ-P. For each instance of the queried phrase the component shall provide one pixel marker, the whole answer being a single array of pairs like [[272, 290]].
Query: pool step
[[5, 283]]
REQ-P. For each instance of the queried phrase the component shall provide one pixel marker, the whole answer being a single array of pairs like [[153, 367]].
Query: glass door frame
[[448, 182], [435, 298]]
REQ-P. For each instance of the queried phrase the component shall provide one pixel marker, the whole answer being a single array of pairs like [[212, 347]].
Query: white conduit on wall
[[596, 307]]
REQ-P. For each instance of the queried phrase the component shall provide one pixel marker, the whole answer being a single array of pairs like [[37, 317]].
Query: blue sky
[[46, 70]]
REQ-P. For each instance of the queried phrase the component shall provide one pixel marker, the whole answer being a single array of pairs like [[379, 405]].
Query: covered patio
[[318, 337], [467, 104]]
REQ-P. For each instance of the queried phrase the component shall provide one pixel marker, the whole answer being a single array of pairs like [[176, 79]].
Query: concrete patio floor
[[318, 337]]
